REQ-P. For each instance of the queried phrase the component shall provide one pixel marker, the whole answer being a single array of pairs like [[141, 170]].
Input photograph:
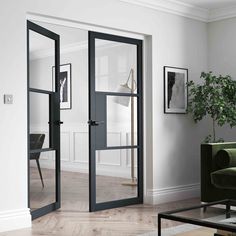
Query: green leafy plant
[[216, 97]]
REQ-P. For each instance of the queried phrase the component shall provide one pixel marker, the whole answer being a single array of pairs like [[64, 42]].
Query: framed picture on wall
[[65, 85], [175, 90]]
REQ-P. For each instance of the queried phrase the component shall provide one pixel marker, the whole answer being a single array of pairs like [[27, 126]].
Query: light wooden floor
[[75, 192], [74, 219]]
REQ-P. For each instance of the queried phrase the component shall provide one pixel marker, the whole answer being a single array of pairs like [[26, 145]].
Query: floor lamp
[[124, 101]]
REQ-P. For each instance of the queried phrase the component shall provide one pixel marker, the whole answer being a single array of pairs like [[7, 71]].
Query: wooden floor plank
[[73, 219]]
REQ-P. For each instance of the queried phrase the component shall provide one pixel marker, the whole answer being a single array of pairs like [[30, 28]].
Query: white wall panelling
[[111, 158], [80, 147], [65, 146], [74, 154]]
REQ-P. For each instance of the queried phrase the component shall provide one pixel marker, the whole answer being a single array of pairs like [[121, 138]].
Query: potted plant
[[216, 97]]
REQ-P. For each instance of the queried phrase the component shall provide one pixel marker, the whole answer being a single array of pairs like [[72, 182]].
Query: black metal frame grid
[[221, 226], [54, 117], [93, 205]]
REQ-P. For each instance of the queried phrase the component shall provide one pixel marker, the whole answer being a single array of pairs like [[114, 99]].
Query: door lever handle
[[95, 123], [58, 122]]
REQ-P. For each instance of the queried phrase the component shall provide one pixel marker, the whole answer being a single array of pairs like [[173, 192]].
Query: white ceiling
[[210, 4]]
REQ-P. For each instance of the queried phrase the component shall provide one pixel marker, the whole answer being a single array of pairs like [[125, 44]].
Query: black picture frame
[[66, 91], [175, 90]]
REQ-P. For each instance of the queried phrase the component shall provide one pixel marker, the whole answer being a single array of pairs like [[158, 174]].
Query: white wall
[[13, 123], [174, 143], [222, 58]]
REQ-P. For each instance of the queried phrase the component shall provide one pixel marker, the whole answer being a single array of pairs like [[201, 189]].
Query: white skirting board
[[15, 219], [171, 194]]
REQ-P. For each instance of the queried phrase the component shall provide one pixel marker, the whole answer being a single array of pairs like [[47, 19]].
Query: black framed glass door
[[43, 55], [115, 121]]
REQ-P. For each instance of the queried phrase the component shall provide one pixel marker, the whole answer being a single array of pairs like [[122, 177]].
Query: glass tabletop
[[219, 215]]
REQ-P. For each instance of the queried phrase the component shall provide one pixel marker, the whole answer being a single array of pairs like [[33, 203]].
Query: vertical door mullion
[[51, 120], [140, 121], [92, 131], [57, 131], [28, 115]]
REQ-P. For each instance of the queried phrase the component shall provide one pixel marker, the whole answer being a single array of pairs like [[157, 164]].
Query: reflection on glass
[[41, 61], [42, 179], [213, 214], [121, 119], [113, 63], [115, 184], [39, 116]]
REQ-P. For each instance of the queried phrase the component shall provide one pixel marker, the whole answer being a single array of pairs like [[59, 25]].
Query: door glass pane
[[115, 66], [116, 177], [41, 61], [42, 191], [39, 118], [121, 121]]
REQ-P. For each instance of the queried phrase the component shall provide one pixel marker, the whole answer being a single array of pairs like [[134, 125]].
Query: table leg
[[228, 210]]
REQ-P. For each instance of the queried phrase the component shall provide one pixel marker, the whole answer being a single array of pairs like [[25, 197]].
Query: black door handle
[[95, 123], [58, 122]]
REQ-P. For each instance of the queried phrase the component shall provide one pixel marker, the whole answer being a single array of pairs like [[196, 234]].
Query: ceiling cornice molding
[[222, 13], [174, 7], [186, 10]]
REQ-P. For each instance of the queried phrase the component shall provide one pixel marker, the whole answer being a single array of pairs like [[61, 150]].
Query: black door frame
[[93, 206], [54, 119]]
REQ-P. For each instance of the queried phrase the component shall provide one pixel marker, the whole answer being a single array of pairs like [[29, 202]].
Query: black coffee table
[[205, 215]]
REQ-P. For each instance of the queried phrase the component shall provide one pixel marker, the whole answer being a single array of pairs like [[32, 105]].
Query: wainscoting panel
[[65, 146], [128, 152], [75, 151], [81, 151], [128, 158], [111, 157]]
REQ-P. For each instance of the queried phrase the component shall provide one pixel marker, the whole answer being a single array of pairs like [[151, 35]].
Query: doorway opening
[[100, 151]]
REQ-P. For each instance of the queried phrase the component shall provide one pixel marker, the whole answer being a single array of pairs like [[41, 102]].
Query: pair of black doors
[[115, 103]]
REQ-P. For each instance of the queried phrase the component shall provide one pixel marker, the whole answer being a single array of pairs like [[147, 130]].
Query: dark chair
[[36, 142]]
